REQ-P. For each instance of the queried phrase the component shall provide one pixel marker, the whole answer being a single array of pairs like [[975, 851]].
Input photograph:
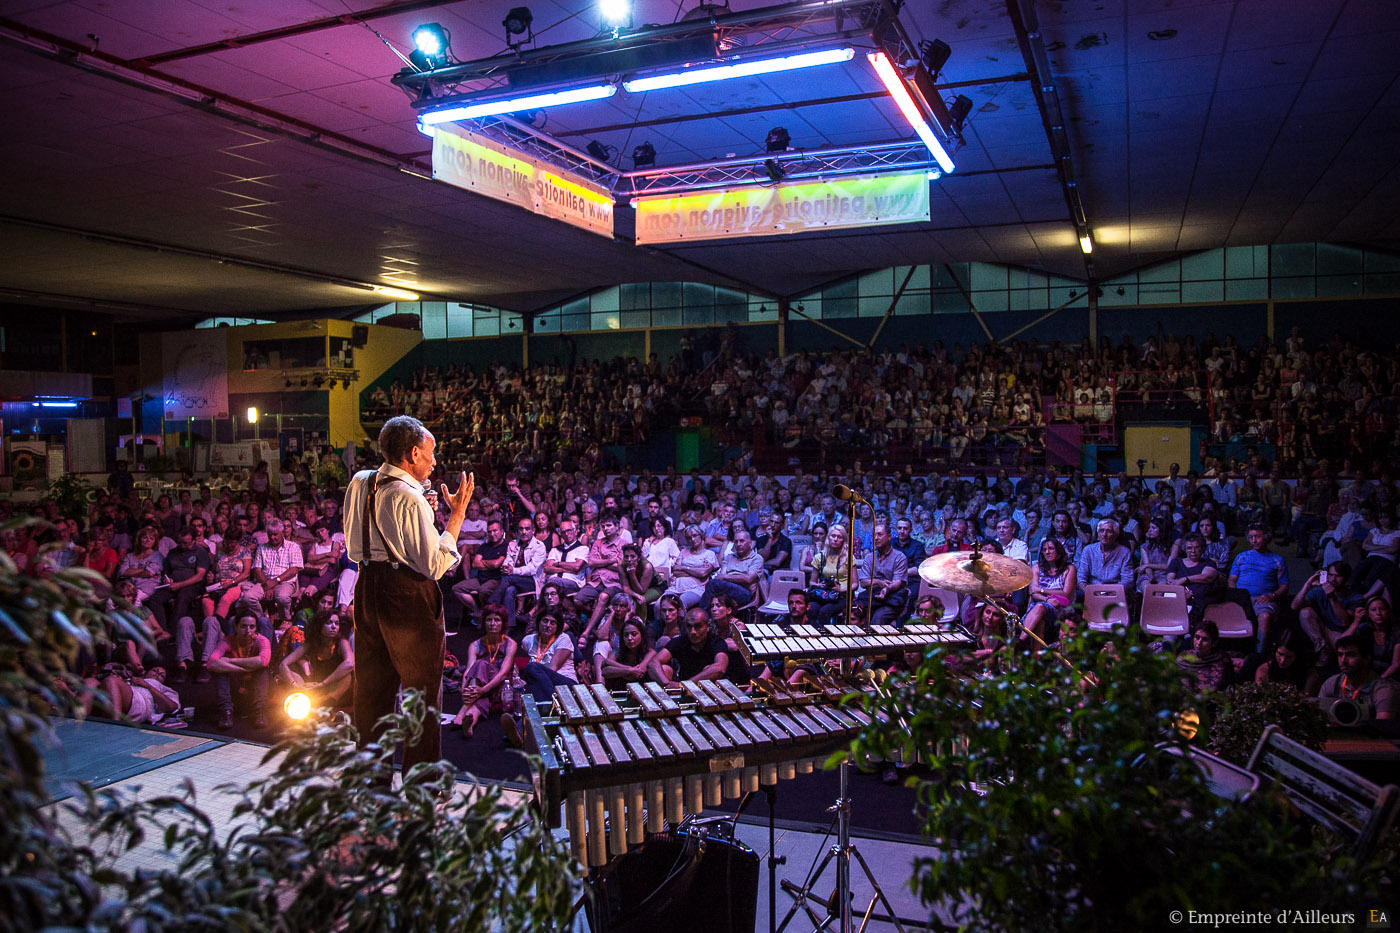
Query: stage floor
[[147, 763]]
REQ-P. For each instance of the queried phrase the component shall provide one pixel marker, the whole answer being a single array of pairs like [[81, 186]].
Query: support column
[[782, 326]]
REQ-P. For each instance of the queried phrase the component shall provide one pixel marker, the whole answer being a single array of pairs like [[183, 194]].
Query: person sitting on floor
[[240, 668], [323, 665], [487, 684]]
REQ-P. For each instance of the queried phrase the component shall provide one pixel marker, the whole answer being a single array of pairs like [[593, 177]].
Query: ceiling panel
[[1192, 123]]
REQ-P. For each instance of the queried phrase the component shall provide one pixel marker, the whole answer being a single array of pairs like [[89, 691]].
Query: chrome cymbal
[[975, 572]]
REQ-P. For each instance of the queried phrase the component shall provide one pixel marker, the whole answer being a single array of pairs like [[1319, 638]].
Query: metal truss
[[794, 165]]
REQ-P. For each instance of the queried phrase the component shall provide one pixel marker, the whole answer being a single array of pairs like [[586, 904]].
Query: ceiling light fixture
[[491, 108], [517, 23], [600, 151], [644, 155], [398, 294], [743, 69], [778, 139], [616, 14], [431, 44], [934, 55], [905, 101], [962, 106], [1086, 243]]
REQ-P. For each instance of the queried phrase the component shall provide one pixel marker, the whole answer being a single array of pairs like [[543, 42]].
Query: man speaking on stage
[[389, 532]]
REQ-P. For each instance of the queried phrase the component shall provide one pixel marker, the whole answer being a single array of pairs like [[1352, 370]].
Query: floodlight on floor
[[297, 706]]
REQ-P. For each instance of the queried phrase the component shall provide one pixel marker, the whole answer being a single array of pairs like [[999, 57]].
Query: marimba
[[625, 764], [765, 641]]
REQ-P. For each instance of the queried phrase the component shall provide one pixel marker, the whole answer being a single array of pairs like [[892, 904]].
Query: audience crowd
[[573, 573]]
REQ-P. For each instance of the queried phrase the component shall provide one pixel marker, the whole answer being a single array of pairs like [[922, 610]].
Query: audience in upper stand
[[945, 446]]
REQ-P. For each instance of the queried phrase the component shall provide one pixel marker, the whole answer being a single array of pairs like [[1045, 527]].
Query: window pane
[[1246, 289], [1207, 266], [605, 300], [1203, 291], [434, 320], [1289, 259]]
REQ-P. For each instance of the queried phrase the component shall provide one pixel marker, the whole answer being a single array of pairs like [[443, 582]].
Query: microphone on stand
[[846, 493]]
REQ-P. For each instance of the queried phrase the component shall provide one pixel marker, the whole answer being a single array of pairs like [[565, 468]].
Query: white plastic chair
[[782, 583], [952, 602], [1231, 619], [1106, 606], [1165, 611]]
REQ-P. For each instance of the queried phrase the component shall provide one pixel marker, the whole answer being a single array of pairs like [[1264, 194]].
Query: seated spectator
[[639, 577], [1263, 575], [1376, 575], [487, 686], [1052, 591], [831, 573], [229, 570], [549, 652], [771, 544], [1155, 554], [659, 547], [624, 659], [323, 665], [1107, 560], [670, 618], [883, 576], [740, 573], [813, 551], [240, 667], [478, 589], [275, 568], [1198, 573], [1378, 623], [523, 569], [321, 561], [701, 655], [726, 625], [566, 564], [1292, 662], [1326, 607], [604, 574], [1359, 683], [1206, 668]]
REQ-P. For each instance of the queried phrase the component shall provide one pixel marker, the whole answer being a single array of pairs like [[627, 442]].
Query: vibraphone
[[765, 641], [625, 764]]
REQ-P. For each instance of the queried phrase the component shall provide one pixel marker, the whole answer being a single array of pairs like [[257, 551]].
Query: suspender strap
[[373, 519]]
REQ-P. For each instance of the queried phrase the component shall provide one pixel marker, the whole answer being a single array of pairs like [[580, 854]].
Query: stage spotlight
[[616, 14], [297, 706], [644, 155], [431, 43], [961, 107], [934, 55], [774, 170], [518, 23], [599, 151], [778, 139]]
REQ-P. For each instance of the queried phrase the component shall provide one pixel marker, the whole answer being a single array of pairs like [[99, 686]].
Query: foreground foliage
[[322, 842], [1057, 804]]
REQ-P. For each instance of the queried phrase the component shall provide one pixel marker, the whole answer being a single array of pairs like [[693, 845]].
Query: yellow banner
[[865, 201], [478, 164]]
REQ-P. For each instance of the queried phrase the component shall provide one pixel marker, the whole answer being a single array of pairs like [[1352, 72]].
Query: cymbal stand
[[838, 905]]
